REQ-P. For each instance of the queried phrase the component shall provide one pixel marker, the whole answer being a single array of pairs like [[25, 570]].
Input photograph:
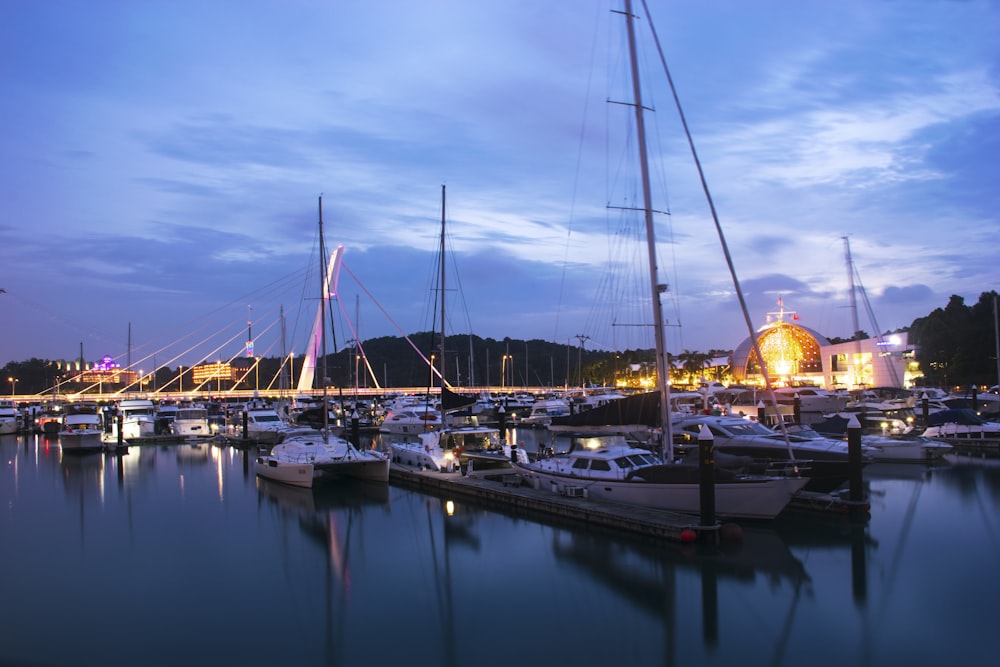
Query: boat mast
[[323, 292], [854, 312], [657, 288], [441, 349]]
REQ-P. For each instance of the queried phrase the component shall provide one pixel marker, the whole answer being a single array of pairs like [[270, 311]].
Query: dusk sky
[[161, 163]]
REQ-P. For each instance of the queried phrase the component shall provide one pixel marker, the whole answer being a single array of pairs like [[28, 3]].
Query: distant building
[[795, 354], [215, 372], [106, 371], [886, 361]]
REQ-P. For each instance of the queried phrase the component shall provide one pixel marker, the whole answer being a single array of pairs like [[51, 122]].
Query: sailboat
[[460, 440], [606, 466], [300, 460]]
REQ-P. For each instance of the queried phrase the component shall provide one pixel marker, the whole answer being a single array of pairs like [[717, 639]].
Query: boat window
[[639, 460], [581, 464], [266, 418], [600, 464], [624, 462]]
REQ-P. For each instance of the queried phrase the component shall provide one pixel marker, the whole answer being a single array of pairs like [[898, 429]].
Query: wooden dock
[[503, 489]]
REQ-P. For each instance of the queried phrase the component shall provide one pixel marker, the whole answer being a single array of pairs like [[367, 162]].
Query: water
[[177, 554]]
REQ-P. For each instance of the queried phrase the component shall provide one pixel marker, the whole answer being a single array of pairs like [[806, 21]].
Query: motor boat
[[608, 468], [749, 445]]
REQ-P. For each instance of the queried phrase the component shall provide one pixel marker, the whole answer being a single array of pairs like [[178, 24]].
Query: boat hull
[[286, 472], [82, 440], [762, 498]]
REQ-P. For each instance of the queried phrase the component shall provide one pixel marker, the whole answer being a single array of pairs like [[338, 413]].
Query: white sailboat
[[454, 442], [606, 467], [300, 460]]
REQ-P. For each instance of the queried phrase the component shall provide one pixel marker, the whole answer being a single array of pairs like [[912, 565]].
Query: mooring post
[[925, 409], [706, 468], [761, 412], [858, 510], [246, 423], [356, 429], [797, 408]]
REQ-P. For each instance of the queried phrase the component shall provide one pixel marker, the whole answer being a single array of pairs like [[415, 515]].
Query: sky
[[162, 163]]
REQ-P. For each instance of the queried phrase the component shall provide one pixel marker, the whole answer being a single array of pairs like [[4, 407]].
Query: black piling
[[246, 424], [858, 510], [706, 468]]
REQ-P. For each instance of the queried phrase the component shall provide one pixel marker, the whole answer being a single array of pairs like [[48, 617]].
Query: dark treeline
[[956, 345]]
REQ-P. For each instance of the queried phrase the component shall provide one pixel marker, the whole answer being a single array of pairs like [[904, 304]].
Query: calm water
[[176, 554]]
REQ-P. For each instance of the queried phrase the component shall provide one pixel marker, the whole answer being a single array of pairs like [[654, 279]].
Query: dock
[[503, 489]]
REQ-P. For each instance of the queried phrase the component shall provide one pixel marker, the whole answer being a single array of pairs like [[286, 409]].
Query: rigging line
[[722, 237], [357, 341], [204, 321], [576, 182], [879, 337], [378, 305]]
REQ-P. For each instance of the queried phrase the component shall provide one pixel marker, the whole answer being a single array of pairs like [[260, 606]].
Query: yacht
[[544, 409], [607, 468], [410, 422], [301, 460], [137, 417], [191, 422], [10, 420], [748, 444], [82, 430], [456, 447], [960, 423]]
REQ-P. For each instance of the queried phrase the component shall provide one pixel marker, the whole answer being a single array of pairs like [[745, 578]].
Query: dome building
[[797, 355], [792, 352]]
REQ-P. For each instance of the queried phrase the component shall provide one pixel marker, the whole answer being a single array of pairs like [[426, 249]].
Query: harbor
[[189, 539]]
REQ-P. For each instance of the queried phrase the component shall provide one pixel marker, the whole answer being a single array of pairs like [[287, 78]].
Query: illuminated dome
[[792, 353]]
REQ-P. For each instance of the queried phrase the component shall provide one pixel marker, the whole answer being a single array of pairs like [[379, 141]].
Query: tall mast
[[856, 327], [324, 288], [441, 349], [663, 380]]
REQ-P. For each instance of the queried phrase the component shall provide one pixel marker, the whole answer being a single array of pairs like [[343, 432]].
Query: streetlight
[[431, 369], [12, 381], [503, 370]]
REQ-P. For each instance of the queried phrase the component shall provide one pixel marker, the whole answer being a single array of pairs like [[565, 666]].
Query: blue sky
[[162, 161]]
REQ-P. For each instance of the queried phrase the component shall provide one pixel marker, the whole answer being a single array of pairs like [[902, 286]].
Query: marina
[[185, 535]]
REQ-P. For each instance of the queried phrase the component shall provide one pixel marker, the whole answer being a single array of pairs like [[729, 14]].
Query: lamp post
[[12, 381], [430, 382]]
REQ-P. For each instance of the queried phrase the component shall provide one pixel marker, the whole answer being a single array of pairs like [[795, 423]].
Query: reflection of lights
[[449, 507]]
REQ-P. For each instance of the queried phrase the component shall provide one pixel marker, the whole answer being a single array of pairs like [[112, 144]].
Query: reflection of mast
[[445, 601]]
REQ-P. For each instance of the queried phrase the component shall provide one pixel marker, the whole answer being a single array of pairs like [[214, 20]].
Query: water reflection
[[336, 570]]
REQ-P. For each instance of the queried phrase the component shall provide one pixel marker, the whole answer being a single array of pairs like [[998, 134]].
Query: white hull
[[82, 441], [406, 428], [889, 450], [759, 499], [417, 455], [286, 472], [300, 461], [144, 428]]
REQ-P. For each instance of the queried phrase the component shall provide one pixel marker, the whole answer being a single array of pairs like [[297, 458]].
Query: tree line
[[956, 345]]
